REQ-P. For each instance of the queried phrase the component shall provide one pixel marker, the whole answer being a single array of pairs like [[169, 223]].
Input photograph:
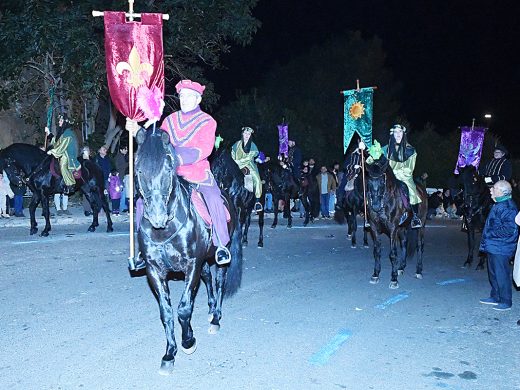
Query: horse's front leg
[[403, 241], [276, 210], [377, 257], [208, 282], [420, 252], [287, 211], [246, 227], [471, 244], [185, 308], [353, 230], [393, 260], [365, 237], [46, 215], [106, 209], [32, 213], [159, 286], [261, 226]]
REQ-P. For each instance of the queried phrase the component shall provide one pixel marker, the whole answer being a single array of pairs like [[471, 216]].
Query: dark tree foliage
[[46, 42]]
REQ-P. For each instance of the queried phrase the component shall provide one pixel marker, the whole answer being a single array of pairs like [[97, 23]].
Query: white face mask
[[189, 99]]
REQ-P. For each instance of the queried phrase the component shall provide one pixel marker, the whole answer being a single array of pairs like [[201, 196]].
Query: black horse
[[310, 197], [351, 206], [231, 178], [283, 186], [174, 238], [28, 164], [386, 204], [475, 208]]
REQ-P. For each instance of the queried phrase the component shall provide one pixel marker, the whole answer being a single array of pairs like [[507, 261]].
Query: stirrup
[[222, 255], [416, 222], [136, 263], [258, 207]]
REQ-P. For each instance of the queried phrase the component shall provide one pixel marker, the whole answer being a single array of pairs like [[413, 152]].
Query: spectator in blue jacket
[[499, 240]]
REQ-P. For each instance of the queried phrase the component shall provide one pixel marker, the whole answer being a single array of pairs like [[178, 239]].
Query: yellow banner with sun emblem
[[358, 115]]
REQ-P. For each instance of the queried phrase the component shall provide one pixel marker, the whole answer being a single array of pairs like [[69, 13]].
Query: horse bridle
[[384, 186]]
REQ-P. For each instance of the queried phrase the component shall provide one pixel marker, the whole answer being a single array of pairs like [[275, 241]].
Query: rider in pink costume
[[192, 133]]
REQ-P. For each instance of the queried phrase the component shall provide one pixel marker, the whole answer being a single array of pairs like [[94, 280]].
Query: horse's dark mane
[[382, 167], [153, 149]]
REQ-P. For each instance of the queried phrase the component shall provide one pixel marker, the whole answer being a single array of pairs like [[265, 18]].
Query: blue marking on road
[[451, 281], [393, 300], [321, 357], [67, 238]]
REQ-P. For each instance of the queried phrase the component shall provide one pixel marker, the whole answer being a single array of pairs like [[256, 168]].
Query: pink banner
[[134, 58]]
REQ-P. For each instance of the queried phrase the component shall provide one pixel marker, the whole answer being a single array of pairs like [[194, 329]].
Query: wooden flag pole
[[364, 186], [130, 15]]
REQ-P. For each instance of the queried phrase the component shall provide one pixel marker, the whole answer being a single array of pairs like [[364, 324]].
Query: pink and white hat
[[193, 85]]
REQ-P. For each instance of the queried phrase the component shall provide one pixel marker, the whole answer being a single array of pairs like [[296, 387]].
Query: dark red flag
[[134, 58]]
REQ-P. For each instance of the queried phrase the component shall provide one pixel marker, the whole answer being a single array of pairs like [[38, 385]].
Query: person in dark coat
[[434, 202], [103, 160], [499, 167], [499, 241], [121, 162]]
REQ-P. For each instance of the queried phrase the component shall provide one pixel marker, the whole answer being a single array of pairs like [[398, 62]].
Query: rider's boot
[[222, 255], [416, 222], [136, 263], [258, 206], [404, 218]]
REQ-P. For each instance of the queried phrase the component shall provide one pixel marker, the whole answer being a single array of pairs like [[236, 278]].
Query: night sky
[[456, 59]]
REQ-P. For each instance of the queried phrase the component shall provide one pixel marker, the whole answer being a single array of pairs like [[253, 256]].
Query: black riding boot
[[416, 222]]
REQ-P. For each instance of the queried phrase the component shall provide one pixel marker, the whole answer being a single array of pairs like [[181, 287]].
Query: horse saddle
[[202, 209], [56, 170]]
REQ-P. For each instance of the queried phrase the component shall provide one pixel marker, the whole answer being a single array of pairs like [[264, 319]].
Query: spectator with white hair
[[499, 240]]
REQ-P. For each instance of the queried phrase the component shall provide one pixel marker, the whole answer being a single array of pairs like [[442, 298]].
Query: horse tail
[[412, 239], [234, 272]]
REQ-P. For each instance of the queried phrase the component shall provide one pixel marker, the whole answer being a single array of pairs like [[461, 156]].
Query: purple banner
[[471, 142], [283, 139]]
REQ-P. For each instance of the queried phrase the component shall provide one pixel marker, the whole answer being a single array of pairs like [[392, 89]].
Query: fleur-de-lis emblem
[[139, 73]]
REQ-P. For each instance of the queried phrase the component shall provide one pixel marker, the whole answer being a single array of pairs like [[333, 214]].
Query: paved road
[[306, 317]]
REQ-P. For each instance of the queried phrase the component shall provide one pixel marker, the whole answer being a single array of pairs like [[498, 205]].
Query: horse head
[[156, 173], [376, 183], [15, 175]]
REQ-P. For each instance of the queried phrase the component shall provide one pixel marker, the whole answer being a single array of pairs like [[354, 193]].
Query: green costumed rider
[[401, 158], [64, 146], [244, 152]]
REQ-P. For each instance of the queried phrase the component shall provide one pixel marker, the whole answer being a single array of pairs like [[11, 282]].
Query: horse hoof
[[213, 329], [44, 234], [190, 350], [305, 224], [393, 285], [374, 280], [91, 229], [244, 244], [166, 367], [466, 265], [260, 244], [273, 226], [365, 246], [110, 229], [349, 236], [289, 226], [400, 272], [418, 276], [479, 268], [33, 231], [353, 246]]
